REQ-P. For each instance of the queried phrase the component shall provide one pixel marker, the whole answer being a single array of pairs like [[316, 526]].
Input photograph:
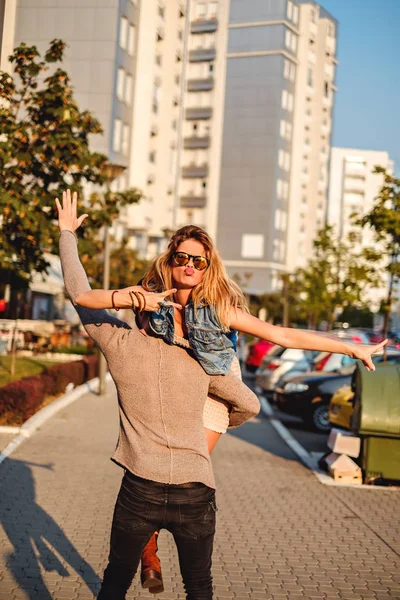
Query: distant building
[[257, 122], [353, 188]]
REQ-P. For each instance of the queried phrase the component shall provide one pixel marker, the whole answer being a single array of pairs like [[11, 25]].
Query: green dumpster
[[376, 419]]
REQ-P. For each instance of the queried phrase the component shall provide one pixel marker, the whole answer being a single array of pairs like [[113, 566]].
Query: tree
[[126, 267], [44, 148], [338, 276], [384, 220]]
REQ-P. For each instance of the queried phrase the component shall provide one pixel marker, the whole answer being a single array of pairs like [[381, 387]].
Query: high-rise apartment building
[[221, 109], [100, 58], [352, 190], [157, 110], [276, 141], [254, 142]]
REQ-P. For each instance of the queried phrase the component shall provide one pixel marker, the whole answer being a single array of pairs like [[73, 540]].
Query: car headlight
[[292, 386]]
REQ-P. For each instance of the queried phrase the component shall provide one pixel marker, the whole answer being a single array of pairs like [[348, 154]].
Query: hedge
[[21, 398]]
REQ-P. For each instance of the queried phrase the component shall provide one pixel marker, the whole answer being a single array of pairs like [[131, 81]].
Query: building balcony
[[200, 85], [200, 112], [195, 171], [204, 26], [202, 55], [195, 141], [193, 201]]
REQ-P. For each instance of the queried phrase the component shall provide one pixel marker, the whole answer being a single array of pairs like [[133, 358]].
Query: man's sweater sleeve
[[100, 325], [244, 403]]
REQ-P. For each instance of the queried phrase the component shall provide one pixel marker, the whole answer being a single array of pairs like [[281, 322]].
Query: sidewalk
[[281, 534]]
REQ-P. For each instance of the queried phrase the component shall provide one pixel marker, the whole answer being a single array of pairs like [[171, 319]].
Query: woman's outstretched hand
[[67, 213], [153, 299], [365, 353]]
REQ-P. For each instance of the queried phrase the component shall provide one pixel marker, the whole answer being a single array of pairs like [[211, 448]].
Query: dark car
[[308, 396]]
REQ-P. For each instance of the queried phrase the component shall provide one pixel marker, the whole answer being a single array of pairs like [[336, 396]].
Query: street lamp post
[[111, 172]]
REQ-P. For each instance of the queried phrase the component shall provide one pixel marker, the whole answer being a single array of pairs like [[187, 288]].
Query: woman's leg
[[212, 438]]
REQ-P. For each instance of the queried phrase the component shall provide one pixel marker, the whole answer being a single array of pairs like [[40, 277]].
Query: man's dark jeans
[[144, 507]]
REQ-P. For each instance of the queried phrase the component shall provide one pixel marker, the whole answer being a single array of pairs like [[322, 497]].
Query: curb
[[37, 420], [305, 457]]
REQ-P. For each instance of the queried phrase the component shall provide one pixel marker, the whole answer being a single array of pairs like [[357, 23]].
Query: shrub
[[85, 350], [21, 398]]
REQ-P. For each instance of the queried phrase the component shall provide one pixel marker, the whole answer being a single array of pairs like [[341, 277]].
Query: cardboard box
[[343, 442]]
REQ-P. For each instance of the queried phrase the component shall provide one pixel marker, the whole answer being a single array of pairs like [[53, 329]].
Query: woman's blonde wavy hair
[[215, 289]]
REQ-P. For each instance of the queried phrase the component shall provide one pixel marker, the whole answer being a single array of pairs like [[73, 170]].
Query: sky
[[366, 113]]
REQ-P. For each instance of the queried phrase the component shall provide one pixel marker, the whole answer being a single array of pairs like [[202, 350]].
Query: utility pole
[[111, 173]]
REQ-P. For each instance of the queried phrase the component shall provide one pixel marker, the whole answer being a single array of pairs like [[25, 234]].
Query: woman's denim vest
[[212, 347]]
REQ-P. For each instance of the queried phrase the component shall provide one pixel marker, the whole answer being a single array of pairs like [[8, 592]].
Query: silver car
[[276, 363]]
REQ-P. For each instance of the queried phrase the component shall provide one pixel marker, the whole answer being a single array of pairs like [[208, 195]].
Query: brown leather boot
[[150, 576]]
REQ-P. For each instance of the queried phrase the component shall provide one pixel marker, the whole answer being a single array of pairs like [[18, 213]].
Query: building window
[[279, 188], [180, 34], [326, 89], [285, 130], [212, 10], [285, 190], [125, 140], [289, 10], [200, 10], [291, 40], [290, 102], [128, 89], [161, 11], [313, 15], [120, 83], [286, 68], [284, 98], [156, 97], [123, 32], [117, 135], [174, 124], [158, 60], [310, 77], [295, 14], [252, 245], [131, 40]]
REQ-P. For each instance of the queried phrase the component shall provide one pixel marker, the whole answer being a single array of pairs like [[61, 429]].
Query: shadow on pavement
[[35, 535], [260, 433]]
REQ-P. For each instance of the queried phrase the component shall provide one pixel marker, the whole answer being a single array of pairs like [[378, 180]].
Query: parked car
[[341, 407], [256, 352], [356, 336], [330, 361], [279, 361], [308, 396]]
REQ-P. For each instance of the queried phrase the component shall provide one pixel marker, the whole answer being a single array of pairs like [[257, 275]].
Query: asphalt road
[[311, 440]]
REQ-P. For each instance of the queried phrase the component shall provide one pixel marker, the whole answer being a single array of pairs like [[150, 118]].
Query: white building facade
[[353, 189]]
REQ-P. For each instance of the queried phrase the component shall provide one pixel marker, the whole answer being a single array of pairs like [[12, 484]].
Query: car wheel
[[319, 418]]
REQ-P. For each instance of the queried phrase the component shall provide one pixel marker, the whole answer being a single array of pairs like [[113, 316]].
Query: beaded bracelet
[[112, 299]]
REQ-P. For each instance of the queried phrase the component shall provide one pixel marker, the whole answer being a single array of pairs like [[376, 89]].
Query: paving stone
[[281, 535]]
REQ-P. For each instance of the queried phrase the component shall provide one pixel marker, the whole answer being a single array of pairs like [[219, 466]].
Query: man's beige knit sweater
[[161, 391]]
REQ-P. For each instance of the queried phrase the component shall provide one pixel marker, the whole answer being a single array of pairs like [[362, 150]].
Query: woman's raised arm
[[98, 323], [303, 340]]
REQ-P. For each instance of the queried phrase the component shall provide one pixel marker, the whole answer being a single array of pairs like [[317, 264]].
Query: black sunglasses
[[181, 259]]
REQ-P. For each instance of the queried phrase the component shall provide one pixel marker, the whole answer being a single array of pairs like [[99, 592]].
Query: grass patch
[[24, 366]]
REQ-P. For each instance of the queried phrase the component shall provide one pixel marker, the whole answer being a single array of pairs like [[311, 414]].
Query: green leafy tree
[[384, 220], [44, 148], [126, 266], [339, 275]]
